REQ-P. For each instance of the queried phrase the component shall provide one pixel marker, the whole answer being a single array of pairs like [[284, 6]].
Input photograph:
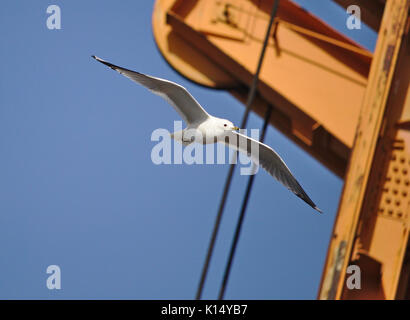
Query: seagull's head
[[227, 125]]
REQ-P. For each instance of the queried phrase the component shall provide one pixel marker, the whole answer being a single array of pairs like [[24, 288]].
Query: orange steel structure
[[348, 108]]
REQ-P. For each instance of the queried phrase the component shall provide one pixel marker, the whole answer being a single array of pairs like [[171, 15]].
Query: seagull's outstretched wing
[[270, 161], [183, 102]]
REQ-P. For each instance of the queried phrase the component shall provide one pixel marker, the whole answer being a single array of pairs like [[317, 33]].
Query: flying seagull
[[214, 129]]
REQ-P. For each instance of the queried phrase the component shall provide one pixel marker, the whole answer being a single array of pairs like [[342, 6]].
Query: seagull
[[213, 129]]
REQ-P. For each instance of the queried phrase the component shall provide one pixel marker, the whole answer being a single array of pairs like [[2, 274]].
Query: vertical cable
[[242, 215], [249, 102]]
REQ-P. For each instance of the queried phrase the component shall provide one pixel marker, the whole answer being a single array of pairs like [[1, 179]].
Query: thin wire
[[249, 102], [242, 215]]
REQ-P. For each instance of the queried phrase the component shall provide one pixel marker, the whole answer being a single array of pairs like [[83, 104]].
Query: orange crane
[[354, 117]]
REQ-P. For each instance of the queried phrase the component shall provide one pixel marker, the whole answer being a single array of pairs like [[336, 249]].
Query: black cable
[[249, 102], [242, 215]]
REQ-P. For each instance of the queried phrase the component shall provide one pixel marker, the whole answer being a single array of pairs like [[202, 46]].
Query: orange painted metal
[[323, 98], [372, 226], [316, 88]]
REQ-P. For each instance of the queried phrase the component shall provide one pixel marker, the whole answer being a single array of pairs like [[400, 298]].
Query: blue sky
[[78, 188]]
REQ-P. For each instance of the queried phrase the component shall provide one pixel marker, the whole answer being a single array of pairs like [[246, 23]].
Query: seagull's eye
[[225, 125]]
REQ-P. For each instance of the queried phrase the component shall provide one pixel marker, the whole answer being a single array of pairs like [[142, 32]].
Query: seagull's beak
[[235, 128]]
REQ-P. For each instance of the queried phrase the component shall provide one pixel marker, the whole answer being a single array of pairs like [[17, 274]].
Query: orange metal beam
[[316, 81], [315, 87], [372, 226]]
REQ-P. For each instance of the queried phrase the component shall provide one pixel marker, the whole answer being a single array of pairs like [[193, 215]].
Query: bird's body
[[208, 131], [205, 128]]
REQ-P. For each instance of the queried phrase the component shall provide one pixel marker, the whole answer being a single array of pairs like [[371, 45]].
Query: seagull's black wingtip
[[318, 210], [112, 66]]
